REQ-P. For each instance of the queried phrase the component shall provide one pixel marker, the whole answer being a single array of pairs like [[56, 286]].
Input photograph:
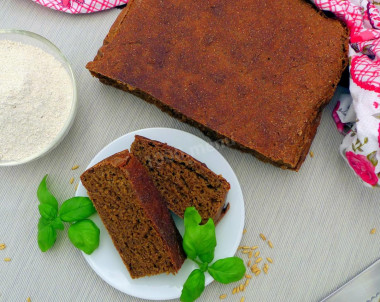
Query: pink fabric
[[360, 111], [80, 6]]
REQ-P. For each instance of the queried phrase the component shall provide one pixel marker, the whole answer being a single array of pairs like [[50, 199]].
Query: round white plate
[[105, 260]]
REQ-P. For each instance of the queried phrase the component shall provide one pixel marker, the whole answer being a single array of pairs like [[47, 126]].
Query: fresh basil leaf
[[57, 224], [191, 217], [44, 195], [84, 235], [227, 270], [46, 236], [76, 208], [198, 240], [47, 211], [193, 287]]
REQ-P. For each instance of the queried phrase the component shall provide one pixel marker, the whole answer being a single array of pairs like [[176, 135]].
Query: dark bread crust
[[182, 180], [151, 206], [257, 82]]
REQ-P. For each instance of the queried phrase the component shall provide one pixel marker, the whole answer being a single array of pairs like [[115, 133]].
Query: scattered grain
[[71, 180], [241, 287], [246, 282], [244, 231], [76, 186], [250, 254], [2, 246], [223, 296], [270, 244], [269, 260], [257, 272], [265, 269], [263, 237], [254, 247], [7, 259], [311, 154], [242, 299], [75, 167], [373, 231], [258, 260], [245, 251], [234, 291], [249, 263], [257, 254], [28, 299], [245, 247], [248, 276]]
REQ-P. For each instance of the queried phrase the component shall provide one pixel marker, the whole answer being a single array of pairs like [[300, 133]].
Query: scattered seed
[[265, 269], [257, 254], [373, 231], [234, 291], [75, 167], [71, 180], [241, 287], [263, 237], [257, 272], [7, 259], [311, 154], [249, 263], [246, 282], [2, 246], [254, 247], [244, 231], [76, 186], [223, 296], [237, 289], [269, 260], [245, 247], [28, 299], [242, 299], [270, 244], [258, 260], [250, 254], [248, 276], [245, 251]]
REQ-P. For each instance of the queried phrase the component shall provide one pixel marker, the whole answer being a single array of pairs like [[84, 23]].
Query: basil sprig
[[199, 242], [83, 233]]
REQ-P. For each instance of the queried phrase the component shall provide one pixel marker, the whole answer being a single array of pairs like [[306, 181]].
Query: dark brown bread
[[135, 215], [253, 73], [182, 180]]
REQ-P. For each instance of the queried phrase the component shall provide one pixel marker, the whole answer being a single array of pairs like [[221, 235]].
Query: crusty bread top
[[257, 72]]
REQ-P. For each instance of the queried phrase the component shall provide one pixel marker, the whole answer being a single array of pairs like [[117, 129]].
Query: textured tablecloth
[[318, 219]]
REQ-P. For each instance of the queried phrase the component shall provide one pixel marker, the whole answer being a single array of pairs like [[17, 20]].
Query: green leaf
[[84, 235], [198, 240], [47, 211], [57, 224], [76, 208], [193, 287], [227, 270], [191, 217], [46, 234], [44, 195]]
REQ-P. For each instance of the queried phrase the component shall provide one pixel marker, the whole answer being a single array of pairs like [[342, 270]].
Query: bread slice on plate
[[182, 180], [135, 215]]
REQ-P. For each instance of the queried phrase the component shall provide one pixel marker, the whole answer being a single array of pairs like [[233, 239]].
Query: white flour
[[35, 99]]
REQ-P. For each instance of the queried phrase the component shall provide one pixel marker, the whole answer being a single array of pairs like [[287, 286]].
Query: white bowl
[[36, 40]]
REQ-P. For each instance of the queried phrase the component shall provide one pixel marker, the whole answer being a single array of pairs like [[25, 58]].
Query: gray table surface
[[318, 219]]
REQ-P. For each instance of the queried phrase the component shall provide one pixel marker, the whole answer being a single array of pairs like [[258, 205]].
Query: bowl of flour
[[38, 97]]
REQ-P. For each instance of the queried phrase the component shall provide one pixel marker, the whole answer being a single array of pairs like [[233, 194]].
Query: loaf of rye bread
[[135, 215], [254, 74], [182, 180]]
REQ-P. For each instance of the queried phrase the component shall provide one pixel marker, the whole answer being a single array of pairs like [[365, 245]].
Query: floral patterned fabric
[[80, 6], [357, 115]]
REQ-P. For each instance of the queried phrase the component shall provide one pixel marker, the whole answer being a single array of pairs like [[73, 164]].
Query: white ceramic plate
[[106, 262]]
